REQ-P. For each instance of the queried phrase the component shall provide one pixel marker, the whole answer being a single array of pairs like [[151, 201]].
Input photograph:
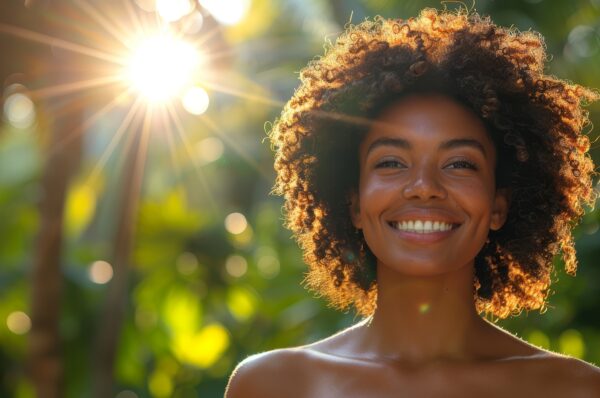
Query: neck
[[423, 318]]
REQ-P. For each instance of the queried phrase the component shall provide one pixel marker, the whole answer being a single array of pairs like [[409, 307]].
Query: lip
[[430, 237], [424, 214]]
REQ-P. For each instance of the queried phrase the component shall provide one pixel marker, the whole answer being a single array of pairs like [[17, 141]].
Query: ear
[[500, 209], [355, 210]]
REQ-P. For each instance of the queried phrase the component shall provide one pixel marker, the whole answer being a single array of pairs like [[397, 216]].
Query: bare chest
[[377, 381]]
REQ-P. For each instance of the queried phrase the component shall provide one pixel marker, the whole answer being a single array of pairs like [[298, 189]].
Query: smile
[[422, 226]]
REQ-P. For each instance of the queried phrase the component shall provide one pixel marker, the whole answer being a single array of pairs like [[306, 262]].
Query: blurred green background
[[199, 273]]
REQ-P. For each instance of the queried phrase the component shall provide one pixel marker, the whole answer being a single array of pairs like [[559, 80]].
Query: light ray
[[236, 147], [60, 43], [350, 119], [86, 124], [207, 36], [241, 94], [101, 20], [164, 118], [143, 148], [67, 88], [143, 26], [180, 130], [135, 20], [115, 140]]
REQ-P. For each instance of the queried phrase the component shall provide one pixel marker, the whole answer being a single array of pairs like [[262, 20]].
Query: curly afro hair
[[534, 119]]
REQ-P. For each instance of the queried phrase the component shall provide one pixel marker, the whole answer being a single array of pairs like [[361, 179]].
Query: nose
[[424, 184]]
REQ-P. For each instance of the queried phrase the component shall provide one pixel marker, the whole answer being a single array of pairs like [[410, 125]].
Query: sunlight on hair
[[236, 223], [172, 10], [227, 12], [19, 110], [162, 67], [18, 322], [195, 100], [100, 272]]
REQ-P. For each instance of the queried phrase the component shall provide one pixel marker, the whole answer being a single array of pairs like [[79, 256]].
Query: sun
[[161, 67]]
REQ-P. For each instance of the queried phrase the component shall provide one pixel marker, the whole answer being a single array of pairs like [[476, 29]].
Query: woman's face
[[427, 196]]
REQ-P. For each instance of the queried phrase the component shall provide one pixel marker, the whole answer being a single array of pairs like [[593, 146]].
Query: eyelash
[[464, 164], [387, 163]]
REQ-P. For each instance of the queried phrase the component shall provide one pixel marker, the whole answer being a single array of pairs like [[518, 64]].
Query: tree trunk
[[109, 327], [45, 360]]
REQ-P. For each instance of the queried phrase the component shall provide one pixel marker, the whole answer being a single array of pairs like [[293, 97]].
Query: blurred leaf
[[203, 348], [79, 208]]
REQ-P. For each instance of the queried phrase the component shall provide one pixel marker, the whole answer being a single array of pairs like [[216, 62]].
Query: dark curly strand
[[534, 119]]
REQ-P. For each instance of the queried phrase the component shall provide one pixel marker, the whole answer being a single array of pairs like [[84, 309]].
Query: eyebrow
[[462, 142], [404, 144]]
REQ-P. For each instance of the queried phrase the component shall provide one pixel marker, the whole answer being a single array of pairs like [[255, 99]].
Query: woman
[[431, 173]]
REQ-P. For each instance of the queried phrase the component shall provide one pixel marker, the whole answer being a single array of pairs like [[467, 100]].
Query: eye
[[462, 164], [390, 163]]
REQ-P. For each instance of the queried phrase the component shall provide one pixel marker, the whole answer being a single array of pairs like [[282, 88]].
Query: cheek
[[476, 198], [375, 193]]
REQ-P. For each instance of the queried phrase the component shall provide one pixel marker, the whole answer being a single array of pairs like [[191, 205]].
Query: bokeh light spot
[[581, 43], [182, 311], [539, 339], [571, 343], [160, 384], [236, 266], [203, 348], [193, 23], [18, 322], [100, 272], [187, 263], [19, 110], [268, 266], [80, 207], [209, 149], [424, 308], [241, 303], [172, 10], [227, 12], [236, 223], [195, 100]]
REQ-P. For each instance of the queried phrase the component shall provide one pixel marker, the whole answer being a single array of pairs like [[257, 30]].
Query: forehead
[[428, 118]]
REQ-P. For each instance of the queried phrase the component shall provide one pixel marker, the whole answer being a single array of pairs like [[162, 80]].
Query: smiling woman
[[431, 173], [427, 192]]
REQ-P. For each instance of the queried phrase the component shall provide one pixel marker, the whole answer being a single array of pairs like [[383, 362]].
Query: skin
[[425, 158]]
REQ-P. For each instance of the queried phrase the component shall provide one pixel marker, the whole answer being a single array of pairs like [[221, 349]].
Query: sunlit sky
[[163, 68]]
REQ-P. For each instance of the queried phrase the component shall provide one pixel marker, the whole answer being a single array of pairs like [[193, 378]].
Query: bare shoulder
[[554, 375], [269, 374], [582, 377]]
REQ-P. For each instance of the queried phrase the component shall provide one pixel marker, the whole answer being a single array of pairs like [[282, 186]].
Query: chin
[[422, 267]]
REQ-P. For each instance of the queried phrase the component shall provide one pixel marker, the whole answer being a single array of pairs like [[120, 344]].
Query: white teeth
[[422, 227], [418, 225]]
